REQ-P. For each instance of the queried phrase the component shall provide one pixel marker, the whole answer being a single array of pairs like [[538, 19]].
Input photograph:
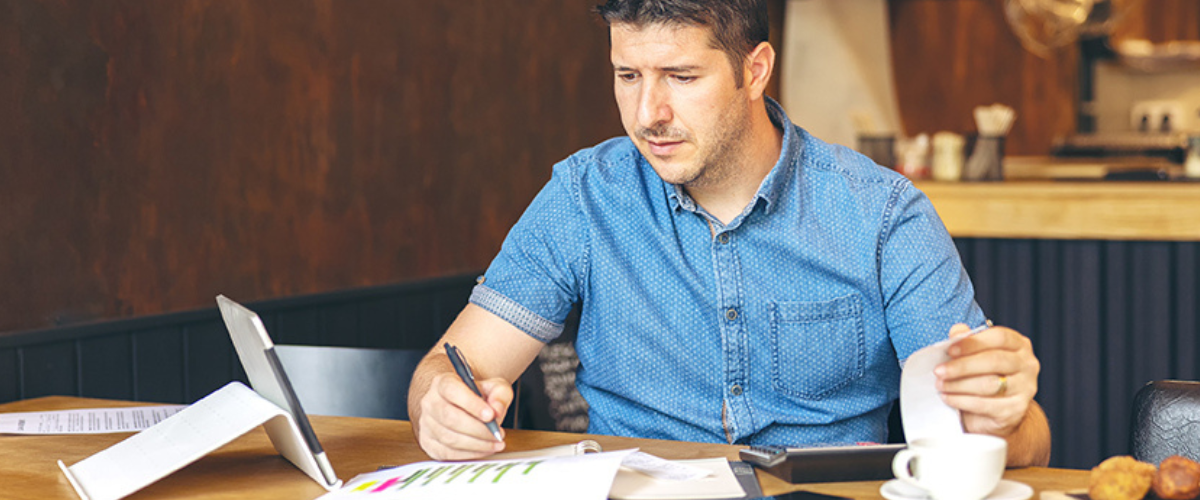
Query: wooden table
[[250, 468]]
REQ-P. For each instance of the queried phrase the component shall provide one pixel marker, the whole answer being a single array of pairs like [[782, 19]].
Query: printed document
[[89, 421]]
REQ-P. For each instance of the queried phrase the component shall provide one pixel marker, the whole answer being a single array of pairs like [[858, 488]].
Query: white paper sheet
[[197, 430], [661, 468], [718, 482], [583, 477], [86, 421], [922, 410]]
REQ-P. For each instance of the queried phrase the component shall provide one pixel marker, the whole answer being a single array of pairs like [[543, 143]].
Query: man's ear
[[759, 65]]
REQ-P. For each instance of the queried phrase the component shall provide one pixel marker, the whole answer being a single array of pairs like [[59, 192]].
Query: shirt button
[[723, 238], [731, 314], [736, 390]]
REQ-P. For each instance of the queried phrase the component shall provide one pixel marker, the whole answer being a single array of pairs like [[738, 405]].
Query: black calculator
[[824, 464]]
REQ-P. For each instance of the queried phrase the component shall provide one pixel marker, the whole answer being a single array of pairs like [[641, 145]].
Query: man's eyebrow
[[665, 69]]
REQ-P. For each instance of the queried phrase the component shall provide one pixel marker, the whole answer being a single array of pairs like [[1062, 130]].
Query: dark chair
[[549, 400], [1166, 421], [350, 381]]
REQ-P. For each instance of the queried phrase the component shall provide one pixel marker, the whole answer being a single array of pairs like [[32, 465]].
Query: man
[[741, 281]]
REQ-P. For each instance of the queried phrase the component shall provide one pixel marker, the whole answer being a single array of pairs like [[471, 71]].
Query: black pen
[[464, 372]]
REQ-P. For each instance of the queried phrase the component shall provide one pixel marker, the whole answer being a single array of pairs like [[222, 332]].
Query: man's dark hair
[[738, 26]]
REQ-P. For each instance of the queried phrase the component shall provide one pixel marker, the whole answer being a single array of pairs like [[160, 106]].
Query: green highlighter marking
[[501, 470], [479, 471], [457, 472], [436, 472], [413, 478], [531, 466]]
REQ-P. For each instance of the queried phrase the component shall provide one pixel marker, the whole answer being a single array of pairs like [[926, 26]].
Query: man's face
[[679, 101]]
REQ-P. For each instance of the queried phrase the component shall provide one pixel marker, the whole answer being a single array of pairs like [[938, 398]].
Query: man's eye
[[627, 77], [684, 79]]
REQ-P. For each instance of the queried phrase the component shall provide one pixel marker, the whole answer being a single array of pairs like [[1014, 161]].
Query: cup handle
[[900, 468]]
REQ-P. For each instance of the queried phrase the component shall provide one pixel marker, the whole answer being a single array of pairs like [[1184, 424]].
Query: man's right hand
[[452, 423], [448, 419]]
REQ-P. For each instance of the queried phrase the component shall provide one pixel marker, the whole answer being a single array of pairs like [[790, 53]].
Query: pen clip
[[463, 361], [462, 367]]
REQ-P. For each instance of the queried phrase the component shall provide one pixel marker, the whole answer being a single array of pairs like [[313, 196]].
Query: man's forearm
[[1029, 445], [433, 364]]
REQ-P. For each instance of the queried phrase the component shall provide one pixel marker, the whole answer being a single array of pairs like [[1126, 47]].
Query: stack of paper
[[550, 474]]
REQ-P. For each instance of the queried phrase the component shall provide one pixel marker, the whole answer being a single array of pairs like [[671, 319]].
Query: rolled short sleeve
[[925, 288], [535, 279]]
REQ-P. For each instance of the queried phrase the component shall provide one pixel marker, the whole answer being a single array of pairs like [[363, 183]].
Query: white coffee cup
[[961, 467]]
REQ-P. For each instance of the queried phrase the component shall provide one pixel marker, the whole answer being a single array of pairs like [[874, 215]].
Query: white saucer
[[1006, 490]]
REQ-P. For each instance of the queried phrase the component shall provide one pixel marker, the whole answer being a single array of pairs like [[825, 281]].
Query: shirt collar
[[775, 180], [789, 157]]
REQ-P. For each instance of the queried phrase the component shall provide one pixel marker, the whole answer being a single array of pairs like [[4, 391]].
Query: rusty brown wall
[[952, 55], [154, 154]]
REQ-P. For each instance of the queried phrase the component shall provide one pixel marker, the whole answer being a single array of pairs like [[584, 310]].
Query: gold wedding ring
[[1002, 389]]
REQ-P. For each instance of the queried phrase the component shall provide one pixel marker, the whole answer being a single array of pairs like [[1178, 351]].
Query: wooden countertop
[[1048, 209], [1066, 198], [249, 467]]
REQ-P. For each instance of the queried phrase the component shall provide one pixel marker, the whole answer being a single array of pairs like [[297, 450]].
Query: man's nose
[[654, 106]]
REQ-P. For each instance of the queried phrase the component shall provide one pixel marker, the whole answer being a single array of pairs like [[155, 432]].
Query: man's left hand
[[991, 378]]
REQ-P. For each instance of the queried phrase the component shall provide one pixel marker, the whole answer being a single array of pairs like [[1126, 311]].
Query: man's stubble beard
[[725, 160]]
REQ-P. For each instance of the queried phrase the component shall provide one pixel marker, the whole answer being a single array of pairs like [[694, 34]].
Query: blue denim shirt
[[789, 326]]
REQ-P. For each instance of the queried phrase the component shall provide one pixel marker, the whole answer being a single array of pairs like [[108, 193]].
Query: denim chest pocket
[[817, 347]]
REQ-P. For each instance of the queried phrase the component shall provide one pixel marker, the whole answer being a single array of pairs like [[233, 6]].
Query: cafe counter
[[1067, 201]]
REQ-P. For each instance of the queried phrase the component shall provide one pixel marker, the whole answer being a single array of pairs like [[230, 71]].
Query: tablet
[[869, 462], [257, 353]]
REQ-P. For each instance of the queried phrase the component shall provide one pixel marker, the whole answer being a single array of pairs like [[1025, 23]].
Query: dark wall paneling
[[298, 327], [416, 314], [180, 357], [1077, 417], [208, 359], [1047, 315], [379, 323], [1186, 295], [444, 310], [106, 367], [1150, 345], [10, 375], [1104, 318], [339, 325], [1115, 310], [159, 365], [49, 369]]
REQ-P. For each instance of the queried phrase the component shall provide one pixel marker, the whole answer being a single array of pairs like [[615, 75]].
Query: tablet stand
[[185, 437]]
